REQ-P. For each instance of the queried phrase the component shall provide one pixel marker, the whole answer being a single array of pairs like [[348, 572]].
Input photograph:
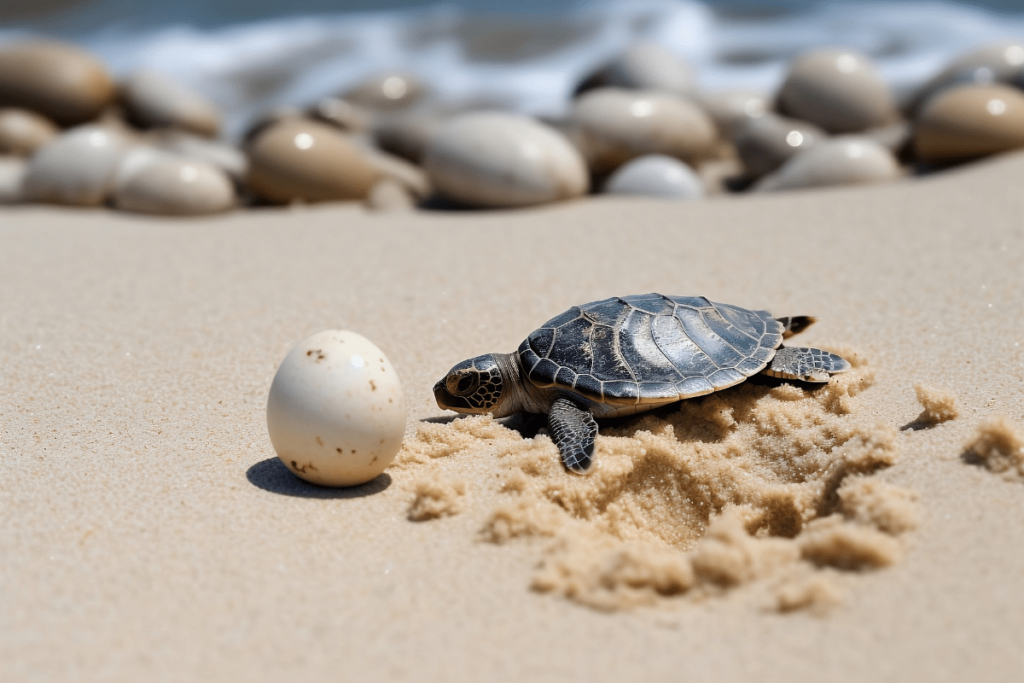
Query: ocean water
[[527, 55]]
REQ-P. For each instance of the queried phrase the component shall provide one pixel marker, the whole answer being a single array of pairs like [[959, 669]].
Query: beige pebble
[[842, 160], [650, 66], [76, 168], [12, 171], [731, 109], [413, 178], [993, 63], [407, 134], [388, 91], [60, 81], [22, 132], [390, 195], [656, 175], [297, 159], [226, 157], [174, 186], [768, 141], [501, 159], [153, 100], [839, 90], [970, 121], [617, 125], [341, 113]]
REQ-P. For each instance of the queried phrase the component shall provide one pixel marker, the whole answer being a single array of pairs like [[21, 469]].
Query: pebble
[[387, 92], [994, 63], [390, 195], [413, 178], [226, 157], [768, 141], [650, 66], [970, 121], [335, 413], [407, 134], [617, 125], [839, 90], [62, 82], [731, 109], [341, 113], [76, 168], [298, 159], [842, 160], [22, 132], [656, 175], [169, 185], [153, 100], [12, 170], [500, 159]]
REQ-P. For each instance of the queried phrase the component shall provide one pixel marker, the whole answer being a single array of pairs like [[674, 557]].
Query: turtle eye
[[462, 384]]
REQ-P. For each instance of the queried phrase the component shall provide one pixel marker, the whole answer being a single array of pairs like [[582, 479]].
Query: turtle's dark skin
[[625, 355]]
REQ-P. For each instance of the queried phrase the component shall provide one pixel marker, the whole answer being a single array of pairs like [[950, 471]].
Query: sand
[[150, 533]]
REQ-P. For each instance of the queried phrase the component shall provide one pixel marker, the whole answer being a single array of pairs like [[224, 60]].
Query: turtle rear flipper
[[573, 430], [805, 364], [795, 324]]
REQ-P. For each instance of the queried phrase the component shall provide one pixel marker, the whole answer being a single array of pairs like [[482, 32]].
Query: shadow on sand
[[272, 475]]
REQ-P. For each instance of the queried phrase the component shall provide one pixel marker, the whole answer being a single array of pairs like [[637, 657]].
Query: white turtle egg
[[335, 414]]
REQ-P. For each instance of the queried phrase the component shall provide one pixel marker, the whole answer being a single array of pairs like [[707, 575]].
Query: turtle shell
[[649, 348]]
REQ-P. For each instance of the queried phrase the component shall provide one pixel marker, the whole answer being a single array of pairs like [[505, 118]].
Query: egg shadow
[[272, 475]]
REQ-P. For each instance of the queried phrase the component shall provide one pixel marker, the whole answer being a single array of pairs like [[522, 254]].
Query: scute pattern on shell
[[649, 348]]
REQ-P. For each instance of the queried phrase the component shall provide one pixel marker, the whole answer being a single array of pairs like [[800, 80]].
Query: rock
[[896, 137], [76, 168], [386, 92], [656, 175], [12, 171], [731, 109], [719, 175], [994, 63], [647, 66], [390, 195], [970, 121], [838, 90], [500, 159], [338, 112], [153, 100], [767, 142], [227, 158], [413, 178], [59, 81], [297, 159], [172, 186], [22, 132], [843, 160], [618, 125]]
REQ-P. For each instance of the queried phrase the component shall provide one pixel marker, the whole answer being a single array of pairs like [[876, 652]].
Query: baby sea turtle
[[625, 355]]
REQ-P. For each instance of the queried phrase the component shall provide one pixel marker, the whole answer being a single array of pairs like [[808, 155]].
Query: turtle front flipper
[[805, 364], [573, 431]]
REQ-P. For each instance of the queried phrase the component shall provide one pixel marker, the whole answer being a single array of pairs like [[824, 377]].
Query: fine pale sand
[[854, 533]]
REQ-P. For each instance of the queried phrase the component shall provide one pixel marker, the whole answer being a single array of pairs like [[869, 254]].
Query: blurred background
[[251, 56]]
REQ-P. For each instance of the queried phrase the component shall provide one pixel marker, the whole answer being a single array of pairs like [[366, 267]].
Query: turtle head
[[473, 386]]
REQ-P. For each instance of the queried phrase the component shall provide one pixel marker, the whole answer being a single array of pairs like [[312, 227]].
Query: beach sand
[[149, 532]]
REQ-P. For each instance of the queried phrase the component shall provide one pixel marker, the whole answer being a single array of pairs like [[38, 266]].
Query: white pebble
[[336, 414], [656, 175], [77, 168]]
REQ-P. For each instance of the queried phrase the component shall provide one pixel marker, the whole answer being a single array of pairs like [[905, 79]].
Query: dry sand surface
[[851, 534]]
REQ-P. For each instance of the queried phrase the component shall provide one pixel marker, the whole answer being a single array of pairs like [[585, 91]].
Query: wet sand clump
[[999, 447], [761, 484], [939, 404]]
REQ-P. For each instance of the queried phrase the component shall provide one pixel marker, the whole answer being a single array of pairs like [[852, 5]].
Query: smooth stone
[[617, 125], [500, 159], [656, 175], [388, 91], [345, 115], [174, 186], [731, 109], [226, 157], [22, 132], [12, 171], [298, 159], [843, 160], [62, 82], [768, 141], [407, 134], [153, 100], [718, 175], [999, 62], [896, 137], [839, 90], [970, 121], [76, 168], [390, 195], [650, 66], [412, 177]]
